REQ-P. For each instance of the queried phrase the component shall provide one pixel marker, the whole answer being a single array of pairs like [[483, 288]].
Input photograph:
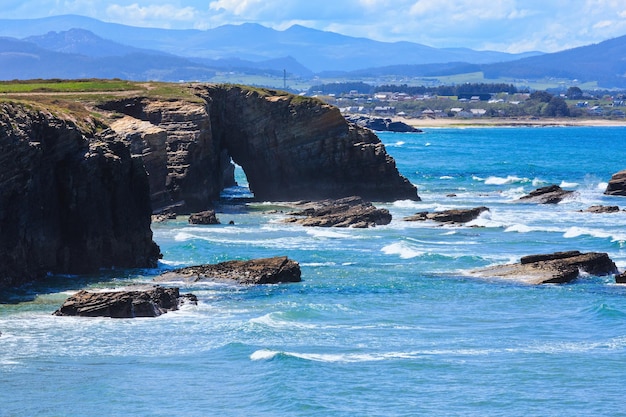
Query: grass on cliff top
[[65, 86]]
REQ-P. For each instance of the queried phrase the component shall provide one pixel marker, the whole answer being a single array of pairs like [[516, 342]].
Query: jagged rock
[[380, 124], [163, 217], [601, 209], [448, 216], [555, 268], [204, 217], [150, 302], [551, 194], [617, 184], [620, 278], [257, 271], [72, 199], [346, 212]]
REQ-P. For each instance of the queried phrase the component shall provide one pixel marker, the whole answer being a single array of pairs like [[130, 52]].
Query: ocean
[[386, 321]]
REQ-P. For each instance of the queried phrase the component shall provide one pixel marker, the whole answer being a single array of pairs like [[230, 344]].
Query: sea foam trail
[[402, 249]]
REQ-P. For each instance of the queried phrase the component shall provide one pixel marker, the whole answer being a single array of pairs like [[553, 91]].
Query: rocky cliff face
[[70, 201], [290, 148], [294, 148]]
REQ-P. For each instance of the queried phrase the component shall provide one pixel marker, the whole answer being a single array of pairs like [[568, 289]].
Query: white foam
[[401, 249], [565, 184], [263, 355], [328, 233], [446, 177], [511, 179], [602, 186]]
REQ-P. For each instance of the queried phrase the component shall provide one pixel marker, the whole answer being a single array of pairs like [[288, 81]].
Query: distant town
[[468, 101]]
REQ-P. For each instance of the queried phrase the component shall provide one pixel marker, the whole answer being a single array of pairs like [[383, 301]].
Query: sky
[[501, 25]]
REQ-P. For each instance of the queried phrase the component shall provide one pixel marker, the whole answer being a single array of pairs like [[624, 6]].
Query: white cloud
[[142, 15]]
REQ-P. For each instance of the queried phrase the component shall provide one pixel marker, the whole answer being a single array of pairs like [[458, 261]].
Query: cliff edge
[[71, 200]]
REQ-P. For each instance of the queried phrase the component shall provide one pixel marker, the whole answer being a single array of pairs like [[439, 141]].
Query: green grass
[[65, 86]]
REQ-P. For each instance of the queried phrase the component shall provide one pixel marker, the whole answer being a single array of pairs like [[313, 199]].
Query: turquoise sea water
[[386, 321]]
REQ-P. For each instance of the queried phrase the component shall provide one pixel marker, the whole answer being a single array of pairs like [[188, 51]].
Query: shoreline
[[506, 122]]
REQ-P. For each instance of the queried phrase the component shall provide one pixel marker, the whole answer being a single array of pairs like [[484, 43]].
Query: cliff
[[290, 147], [71, 200], [82, 175]]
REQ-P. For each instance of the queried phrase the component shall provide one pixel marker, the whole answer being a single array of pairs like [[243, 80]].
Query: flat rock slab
[[555, 268], [204, 217], [150, 302], [345, 212], [448, 216], [551, 194], [257, 271]]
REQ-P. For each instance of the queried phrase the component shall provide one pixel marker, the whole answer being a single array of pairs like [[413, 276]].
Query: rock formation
[[72, 200], [204, 217], [346, 212], [601, 209], [256, 271], [449, 216], [131, 303], [551, 194], [617, 184], [290, 147], [555, 268], [381, 125]]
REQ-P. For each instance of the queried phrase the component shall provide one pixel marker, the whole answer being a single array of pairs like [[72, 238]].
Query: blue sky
[[502, 25]]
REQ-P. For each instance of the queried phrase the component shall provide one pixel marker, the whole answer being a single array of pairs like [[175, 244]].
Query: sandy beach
[[502, 122]]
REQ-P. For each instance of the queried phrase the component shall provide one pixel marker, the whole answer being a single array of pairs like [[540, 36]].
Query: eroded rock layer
[[70, 201]]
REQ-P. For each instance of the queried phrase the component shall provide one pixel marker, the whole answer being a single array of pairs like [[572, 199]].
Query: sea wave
[[511, 179], [402, 249]]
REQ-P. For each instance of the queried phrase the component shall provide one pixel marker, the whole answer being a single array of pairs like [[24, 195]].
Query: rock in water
[[72, 199], [346, 212], [204, 217], [554, 268], [257, 271], [150, 302], [551, 194], [449, 216], [617, 184]]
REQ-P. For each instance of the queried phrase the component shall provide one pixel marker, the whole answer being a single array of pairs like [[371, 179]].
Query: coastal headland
[[86, 163]]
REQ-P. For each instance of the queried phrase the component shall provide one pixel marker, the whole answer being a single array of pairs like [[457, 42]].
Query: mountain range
[[71, 46]]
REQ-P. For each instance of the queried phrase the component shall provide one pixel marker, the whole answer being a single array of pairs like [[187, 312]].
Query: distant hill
[[604, 62], [314, 49]]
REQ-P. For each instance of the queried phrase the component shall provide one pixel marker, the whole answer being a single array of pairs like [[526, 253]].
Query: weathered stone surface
[[151, 302], [72, 200], [257, 271], [204, 217], [346, 212], [620, 278], [617, 184], [601, 209], [449, 216], [551, 194], [555, 268], [381, 124]]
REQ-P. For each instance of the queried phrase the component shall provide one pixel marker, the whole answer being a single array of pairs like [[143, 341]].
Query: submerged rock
[[554, 268], [601, 209], [257, 271], [151, 302], [345, 212], [551, 194], [449, 216], [617, 184], [204, 217]]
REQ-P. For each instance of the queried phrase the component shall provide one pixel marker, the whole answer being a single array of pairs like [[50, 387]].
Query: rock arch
[[290, 147]]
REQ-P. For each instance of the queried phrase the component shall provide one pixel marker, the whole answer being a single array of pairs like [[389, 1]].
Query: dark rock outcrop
[[449, 216], [346, 212], [617, 184], [72, 200], [151, 302], [380, 124], [555, 268], [257, 271], [601, 209], [620, 278], [204, 217], [551, 194]]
